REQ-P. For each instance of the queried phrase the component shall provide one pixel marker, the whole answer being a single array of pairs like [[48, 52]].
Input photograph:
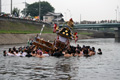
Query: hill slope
[[18, 27]]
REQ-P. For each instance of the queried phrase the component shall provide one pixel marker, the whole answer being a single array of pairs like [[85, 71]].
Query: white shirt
[[18, 54], [24, 54], [9, 54], [46, 55]]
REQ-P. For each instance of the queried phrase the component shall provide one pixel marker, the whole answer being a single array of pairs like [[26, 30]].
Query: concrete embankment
[[23, 38]]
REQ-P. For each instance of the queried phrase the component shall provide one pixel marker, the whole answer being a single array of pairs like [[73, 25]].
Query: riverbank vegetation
[[86, 33], [22, 28]]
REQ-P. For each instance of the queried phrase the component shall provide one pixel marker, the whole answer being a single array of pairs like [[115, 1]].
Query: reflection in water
[[63, 66], [67, 68], [97, 67]]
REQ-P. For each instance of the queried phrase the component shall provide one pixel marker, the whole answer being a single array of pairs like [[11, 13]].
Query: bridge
[[116, 27]]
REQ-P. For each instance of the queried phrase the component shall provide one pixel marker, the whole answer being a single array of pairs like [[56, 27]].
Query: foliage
[[16, 12], [21, 32], [33, 9], [24, 10], [24, 28]]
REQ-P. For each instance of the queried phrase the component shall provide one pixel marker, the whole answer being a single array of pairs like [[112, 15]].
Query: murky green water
[[98, 67]]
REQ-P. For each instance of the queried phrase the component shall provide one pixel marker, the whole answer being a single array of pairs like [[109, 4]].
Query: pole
[[80, 18], [42, 29], [11, 7], [39, 10], [57, 20], [65, 16], [25, 8], [119, 17], [118, 12], [116, 15], [0, 6]]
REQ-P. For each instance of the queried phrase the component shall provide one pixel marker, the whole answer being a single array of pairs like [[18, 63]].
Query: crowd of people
[[31, 51], [60, 47]]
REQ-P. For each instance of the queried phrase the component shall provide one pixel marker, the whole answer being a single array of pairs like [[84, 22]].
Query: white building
[[53, 18]]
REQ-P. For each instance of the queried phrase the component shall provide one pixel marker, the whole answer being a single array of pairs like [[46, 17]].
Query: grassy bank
[[86, 33], [22, 31], [24, 28]]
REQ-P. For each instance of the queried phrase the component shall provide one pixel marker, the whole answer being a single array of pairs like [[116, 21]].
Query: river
[[97, 67]]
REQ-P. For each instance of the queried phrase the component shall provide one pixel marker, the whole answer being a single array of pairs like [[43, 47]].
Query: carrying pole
[[0, 6], [42, 29]]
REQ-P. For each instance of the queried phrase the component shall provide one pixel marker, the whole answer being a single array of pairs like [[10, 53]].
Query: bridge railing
[[101, 25]]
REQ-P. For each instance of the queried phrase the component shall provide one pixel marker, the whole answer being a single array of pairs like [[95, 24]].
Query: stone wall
[[23, 38]]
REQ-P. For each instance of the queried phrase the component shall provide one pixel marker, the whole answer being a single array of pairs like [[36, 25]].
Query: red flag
[[76, 38], [75, 33], [54, 28]]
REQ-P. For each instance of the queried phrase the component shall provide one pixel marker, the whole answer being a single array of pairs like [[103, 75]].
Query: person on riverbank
[[78, 47], [93, 49], [58, 53], [39, 54], [33, 53], [91, 52], [10, 52], [4, 53], [14, 49], [99, 51], [67, 54], [28, 54], [79, 53], [17, 53], [20, 50], [37, 37], [85, 52], [46, 53], [24, 53], [69, 50], [29, 42]]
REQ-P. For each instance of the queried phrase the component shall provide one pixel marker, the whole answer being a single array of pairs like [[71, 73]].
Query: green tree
[[25, 9], [33, 9], [16, 12]]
